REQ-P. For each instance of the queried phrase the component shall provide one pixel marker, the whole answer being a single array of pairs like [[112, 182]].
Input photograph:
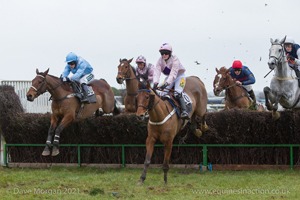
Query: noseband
[[281, 55], [38, 90], [151, 100]]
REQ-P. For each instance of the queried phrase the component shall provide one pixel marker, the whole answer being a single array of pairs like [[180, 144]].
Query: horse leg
[[150, 141], [47, 149], [168, 150], [64, 123], [272, 102]]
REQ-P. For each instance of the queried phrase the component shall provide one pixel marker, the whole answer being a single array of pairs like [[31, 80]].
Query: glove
[[290, 58], [164, 86], [65, 79], [155, 86]]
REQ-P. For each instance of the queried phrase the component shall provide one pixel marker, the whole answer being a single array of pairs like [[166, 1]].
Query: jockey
[[169, 65], [293, 54], [243, 77], [82, 73], [143, 70]]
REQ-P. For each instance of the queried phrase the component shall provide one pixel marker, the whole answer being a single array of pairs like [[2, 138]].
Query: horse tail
[[116, 110]]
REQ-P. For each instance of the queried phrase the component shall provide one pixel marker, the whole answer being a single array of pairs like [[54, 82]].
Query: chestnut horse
[[235, 96], [127, 72], [66, 107], [164, 124]]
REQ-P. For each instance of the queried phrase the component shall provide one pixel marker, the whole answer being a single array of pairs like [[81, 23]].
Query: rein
[[151, 106], [39, 92]]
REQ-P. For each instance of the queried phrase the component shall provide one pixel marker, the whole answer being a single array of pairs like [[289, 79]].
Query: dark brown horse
[[235, 96], [127, 72], [66, 108], [164, 124]]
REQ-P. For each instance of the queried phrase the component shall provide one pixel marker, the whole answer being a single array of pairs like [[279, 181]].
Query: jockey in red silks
[[170, 66], [243, 77]]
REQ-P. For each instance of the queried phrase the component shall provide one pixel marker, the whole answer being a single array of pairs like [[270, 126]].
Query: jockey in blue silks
[[243, 77], [82, 73], [293, 54]]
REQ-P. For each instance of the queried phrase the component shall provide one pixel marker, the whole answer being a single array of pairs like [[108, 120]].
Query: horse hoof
[[275, 115], [140, 182], [198, 133], [46, 153], [55, 152]]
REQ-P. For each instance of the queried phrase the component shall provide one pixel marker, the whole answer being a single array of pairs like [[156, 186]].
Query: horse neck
[[234, 90], [131, 83], [159, 110], [283, 70], [54, 87]]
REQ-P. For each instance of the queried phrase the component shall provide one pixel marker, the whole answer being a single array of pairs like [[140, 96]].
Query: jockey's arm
[[297, 61]]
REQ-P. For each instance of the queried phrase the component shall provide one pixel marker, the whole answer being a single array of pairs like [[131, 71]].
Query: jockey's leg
[[85, 91], [252, 95], [184, 114], [179, 86]]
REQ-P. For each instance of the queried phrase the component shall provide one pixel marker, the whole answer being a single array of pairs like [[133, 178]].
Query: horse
[[127, 72], [66, 107], [235, 96], [284, 87], [164, 124]]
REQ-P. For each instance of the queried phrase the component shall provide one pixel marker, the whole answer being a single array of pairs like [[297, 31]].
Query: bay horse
[[284, 87], [164, 124], [235, 96], [127, 72], [66, 108]]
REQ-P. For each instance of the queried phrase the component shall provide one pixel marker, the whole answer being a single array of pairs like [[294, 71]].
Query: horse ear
[[129, 61], [217, 70], [46, 72], [283, 40], [37, 71], [120, 60], [271, 40]]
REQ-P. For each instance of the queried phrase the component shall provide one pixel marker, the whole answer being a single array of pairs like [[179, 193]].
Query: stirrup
[[184, 115], [84, 100]]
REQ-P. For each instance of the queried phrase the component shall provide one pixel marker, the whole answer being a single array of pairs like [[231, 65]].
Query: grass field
[[94, 183]]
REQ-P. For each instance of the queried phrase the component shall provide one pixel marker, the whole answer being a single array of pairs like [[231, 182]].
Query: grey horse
[[284, 87]]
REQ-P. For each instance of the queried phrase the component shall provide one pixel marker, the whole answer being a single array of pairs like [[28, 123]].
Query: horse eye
[[280, 50]]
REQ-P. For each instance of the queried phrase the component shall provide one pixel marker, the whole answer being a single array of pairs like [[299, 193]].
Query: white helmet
[[165, 46], [289, 41], [141, 59]]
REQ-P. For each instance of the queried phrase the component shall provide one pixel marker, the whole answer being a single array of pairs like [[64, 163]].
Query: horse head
[[39, 85], [124, 70], [222, 80], [144, 99], [276, 53]]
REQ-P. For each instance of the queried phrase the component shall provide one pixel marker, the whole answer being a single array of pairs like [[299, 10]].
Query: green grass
[[94, 183]]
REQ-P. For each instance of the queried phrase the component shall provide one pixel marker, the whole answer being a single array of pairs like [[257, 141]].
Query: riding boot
[[252, 95], [298, 75], [184, 113], [85, 91]]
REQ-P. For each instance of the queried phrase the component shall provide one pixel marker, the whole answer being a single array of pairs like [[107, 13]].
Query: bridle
[[151, 103], [281, 55], [127, 74], [43, 85]]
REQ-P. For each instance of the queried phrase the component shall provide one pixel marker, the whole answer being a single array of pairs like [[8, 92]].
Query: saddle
[[79, 92], [176, 104]]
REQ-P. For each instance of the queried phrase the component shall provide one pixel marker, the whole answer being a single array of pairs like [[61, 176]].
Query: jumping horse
[[66, 107], [164, 124], [284, 87], [127, 72], [235, 96]]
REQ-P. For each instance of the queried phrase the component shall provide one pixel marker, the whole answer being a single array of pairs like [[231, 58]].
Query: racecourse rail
[[123, 146]]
